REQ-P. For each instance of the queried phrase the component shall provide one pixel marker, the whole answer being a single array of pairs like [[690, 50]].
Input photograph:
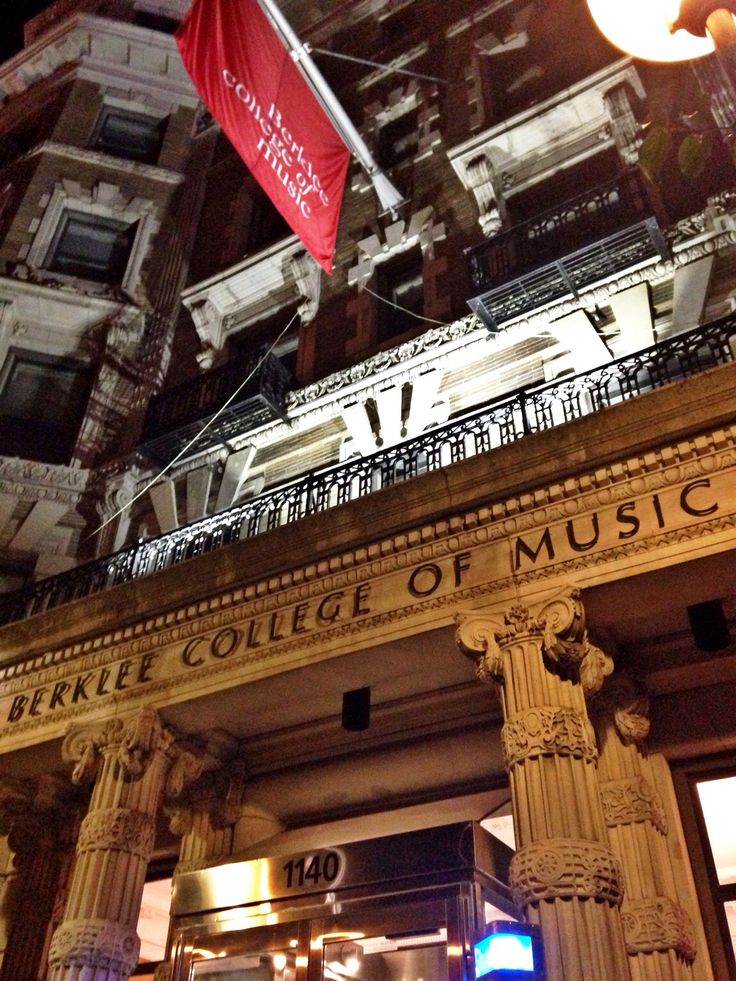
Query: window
[[132, 135], [153, 927], [92, 247], [717, 800], [42, 402], [399, 138], [401, 288]]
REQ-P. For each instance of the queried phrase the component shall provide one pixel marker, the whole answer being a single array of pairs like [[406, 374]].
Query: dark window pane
[[398, 139], [42, 402], [401, 288], [92, 247], [131, 135]]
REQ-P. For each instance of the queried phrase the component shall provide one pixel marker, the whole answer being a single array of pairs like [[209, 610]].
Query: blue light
[[504, 952]]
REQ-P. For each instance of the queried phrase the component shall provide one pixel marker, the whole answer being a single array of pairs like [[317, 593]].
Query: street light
[[668, 30]]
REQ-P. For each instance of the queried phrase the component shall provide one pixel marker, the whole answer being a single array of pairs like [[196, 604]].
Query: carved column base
[[93, 946]]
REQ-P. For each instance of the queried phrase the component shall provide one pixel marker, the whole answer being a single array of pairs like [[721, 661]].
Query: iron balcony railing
[[176, 416], [567, 227], [497, 424], [566, 250]]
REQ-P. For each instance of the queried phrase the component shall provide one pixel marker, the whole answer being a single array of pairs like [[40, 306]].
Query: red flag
[[250, 84]]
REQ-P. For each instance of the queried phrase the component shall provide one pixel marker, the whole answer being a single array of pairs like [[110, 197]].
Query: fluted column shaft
[[658, 930], [564, 874], [129, 762]]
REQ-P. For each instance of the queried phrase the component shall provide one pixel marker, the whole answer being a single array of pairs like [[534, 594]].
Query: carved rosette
[[565, 868], [632, 800], [658, 924], [117, 829], [545, 731], [97, 944], [134, 741]]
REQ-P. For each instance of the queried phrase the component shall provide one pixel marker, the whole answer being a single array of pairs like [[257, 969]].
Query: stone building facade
[[293, 561]]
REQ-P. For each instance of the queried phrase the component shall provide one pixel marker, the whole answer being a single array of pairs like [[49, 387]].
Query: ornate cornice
[[29, 480], [495, 522]]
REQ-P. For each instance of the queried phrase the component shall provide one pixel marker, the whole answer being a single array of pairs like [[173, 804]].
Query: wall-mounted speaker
[[709, 626], [356, 709]]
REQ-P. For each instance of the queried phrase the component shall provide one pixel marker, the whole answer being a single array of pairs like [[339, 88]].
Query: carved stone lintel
[[97, 944], [117, 829], [632, 800], [564, 868], [548, 730], [658, 924]]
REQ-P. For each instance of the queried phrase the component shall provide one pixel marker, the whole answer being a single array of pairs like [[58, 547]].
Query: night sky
[[12, 18]]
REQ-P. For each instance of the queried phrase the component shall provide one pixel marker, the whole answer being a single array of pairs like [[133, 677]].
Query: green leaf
[[694, 153], [653, 151]]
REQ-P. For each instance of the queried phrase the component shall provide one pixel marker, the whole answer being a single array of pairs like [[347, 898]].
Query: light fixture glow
[[642, 28], [279, 962]]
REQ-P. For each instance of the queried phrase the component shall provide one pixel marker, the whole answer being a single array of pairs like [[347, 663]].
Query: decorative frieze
[[117, 829], [630, 800], [98, 945], [658, 924], [546, 729], [563, 868]]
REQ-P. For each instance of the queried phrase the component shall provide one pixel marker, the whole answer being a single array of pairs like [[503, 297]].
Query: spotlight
[[709, 626], [356, 709]]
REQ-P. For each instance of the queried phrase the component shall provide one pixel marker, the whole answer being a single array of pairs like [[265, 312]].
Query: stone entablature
[[104, 50], [252, 290], [563, 130], [29, 480], [595, 527]]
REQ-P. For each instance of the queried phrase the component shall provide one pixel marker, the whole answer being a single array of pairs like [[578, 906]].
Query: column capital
[[558, 625], [133, 740], [625, 700]]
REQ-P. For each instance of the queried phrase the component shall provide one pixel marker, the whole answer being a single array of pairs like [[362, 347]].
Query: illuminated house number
[[315, 869]]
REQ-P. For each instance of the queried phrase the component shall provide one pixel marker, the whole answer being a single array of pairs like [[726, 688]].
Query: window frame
[[104, 200], [712, 896], [112, 272], [396, 272], [112, 109], [59, 447]]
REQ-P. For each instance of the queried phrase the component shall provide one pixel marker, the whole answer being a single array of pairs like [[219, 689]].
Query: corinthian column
[[659, 932], [129, 761], [563, 874], [40, 819]]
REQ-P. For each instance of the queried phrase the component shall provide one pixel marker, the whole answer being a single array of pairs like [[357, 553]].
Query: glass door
[[388, 941]]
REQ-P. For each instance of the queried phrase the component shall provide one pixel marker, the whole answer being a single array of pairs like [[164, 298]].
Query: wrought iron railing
[[496, 424], [565, 228], [175, 416]]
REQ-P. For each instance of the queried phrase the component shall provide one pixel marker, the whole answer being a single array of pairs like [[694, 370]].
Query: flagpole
[[391, 199]]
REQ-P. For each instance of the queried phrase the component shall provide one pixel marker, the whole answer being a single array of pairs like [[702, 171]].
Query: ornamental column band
[[646, 837], [129, 759], [564, 874]]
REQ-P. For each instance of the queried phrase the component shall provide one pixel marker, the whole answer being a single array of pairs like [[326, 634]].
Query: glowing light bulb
[[642, 28], [279, 962]]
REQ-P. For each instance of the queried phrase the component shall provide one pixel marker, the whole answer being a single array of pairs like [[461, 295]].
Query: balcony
[[497, 424], [565, 250], [257, 392]]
